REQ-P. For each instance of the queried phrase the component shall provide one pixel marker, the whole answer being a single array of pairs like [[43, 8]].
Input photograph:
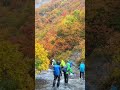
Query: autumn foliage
[[41, 59], [60, 29]]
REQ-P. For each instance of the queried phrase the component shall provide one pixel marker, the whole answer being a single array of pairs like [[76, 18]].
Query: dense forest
[[59, 32], [16, 45]]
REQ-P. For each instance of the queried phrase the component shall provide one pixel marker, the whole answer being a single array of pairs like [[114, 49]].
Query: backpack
[[64, 69]]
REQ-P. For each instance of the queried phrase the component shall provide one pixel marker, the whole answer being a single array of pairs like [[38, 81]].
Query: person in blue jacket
[[57, 73], [82, 69]]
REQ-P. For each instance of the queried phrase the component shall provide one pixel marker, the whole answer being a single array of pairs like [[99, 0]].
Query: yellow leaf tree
[[41, 58]]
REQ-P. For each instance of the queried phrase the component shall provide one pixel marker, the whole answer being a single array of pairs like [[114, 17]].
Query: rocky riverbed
[[44, 81]]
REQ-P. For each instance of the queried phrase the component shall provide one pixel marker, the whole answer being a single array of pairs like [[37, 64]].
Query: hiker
[[67, 70], [82, 69], [63, 64], [71, 64], [57, 73], [53, 62]]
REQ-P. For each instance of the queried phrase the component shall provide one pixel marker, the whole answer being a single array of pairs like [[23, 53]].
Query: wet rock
[[45, 79]]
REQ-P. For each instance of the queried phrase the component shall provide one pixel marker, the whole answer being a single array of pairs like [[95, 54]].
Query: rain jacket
[[57, 70], [69, 69], [62, 64], [82, 67]]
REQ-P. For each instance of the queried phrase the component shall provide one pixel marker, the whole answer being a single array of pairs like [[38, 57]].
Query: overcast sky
[[37, 1]]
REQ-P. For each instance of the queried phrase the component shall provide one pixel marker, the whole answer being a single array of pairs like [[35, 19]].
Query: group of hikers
[[66, 68]]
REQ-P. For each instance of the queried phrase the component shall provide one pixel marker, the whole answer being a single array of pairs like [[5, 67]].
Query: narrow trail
[[44, 81]]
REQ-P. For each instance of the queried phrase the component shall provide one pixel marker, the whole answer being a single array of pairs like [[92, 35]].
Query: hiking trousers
[[58, 80], [65, 77], [82, 75]]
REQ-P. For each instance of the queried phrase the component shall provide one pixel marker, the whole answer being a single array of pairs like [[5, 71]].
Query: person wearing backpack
[[62, 64], [67, 70], [63, 67], [57, 73]]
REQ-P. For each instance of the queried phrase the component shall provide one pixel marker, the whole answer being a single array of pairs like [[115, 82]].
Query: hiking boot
[[57, 85], [53, 85]]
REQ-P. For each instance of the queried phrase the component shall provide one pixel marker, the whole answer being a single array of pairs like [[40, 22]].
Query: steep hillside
[[60, 28]]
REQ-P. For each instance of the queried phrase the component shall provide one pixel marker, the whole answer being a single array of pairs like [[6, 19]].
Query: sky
[[38, 3]]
